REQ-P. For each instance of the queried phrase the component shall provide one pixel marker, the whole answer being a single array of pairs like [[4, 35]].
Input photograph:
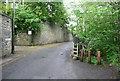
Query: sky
[[69, 8]]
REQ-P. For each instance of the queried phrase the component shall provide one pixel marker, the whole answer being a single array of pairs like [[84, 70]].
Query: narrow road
[[54, 63]]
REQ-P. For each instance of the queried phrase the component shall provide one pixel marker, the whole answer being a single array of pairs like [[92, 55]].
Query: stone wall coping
[[5, 16]]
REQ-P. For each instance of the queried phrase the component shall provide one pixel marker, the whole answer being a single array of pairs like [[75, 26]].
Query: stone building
[[5, 35]]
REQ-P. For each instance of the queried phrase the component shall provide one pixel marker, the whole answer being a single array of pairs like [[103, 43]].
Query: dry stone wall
[[0, 35], [5, 34], [46, 35]]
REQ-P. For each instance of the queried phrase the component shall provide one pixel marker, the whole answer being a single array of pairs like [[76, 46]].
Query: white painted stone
[[8, 39]]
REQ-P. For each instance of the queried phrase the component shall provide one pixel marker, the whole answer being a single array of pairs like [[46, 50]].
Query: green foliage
[[93, 60], [27, 20], [98, 29], [6, 10], [33, 15], [78, 57], [86, 60]]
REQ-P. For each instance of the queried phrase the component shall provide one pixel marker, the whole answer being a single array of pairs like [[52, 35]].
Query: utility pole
[[13, 26]]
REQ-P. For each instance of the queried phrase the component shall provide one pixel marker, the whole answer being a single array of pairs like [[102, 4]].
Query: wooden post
[[89, 56], [98, 56], [81, 55]]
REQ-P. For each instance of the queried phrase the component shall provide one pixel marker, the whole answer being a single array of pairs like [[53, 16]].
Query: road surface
[[55, 63]]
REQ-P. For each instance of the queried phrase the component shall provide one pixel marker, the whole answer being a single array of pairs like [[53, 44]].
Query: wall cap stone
[[5, 16]]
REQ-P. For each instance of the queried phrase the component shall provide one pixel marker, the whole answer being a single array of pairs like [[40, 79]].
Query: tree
[[6, 9], [32, 15], [98, 28]]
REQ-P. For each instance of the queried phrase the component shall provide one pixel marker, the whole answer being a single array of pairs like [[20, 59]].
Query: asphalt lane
[[55, 63]]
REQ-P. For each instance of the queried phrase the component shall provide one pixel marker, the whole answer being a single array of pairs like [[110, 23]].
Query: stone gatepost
[[5, 35]]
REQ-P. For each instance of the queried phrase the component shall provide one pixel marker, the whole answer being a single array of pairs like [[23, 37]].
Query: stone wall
[[47, 35], [0, 35], [5, 35], [23, 39]]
